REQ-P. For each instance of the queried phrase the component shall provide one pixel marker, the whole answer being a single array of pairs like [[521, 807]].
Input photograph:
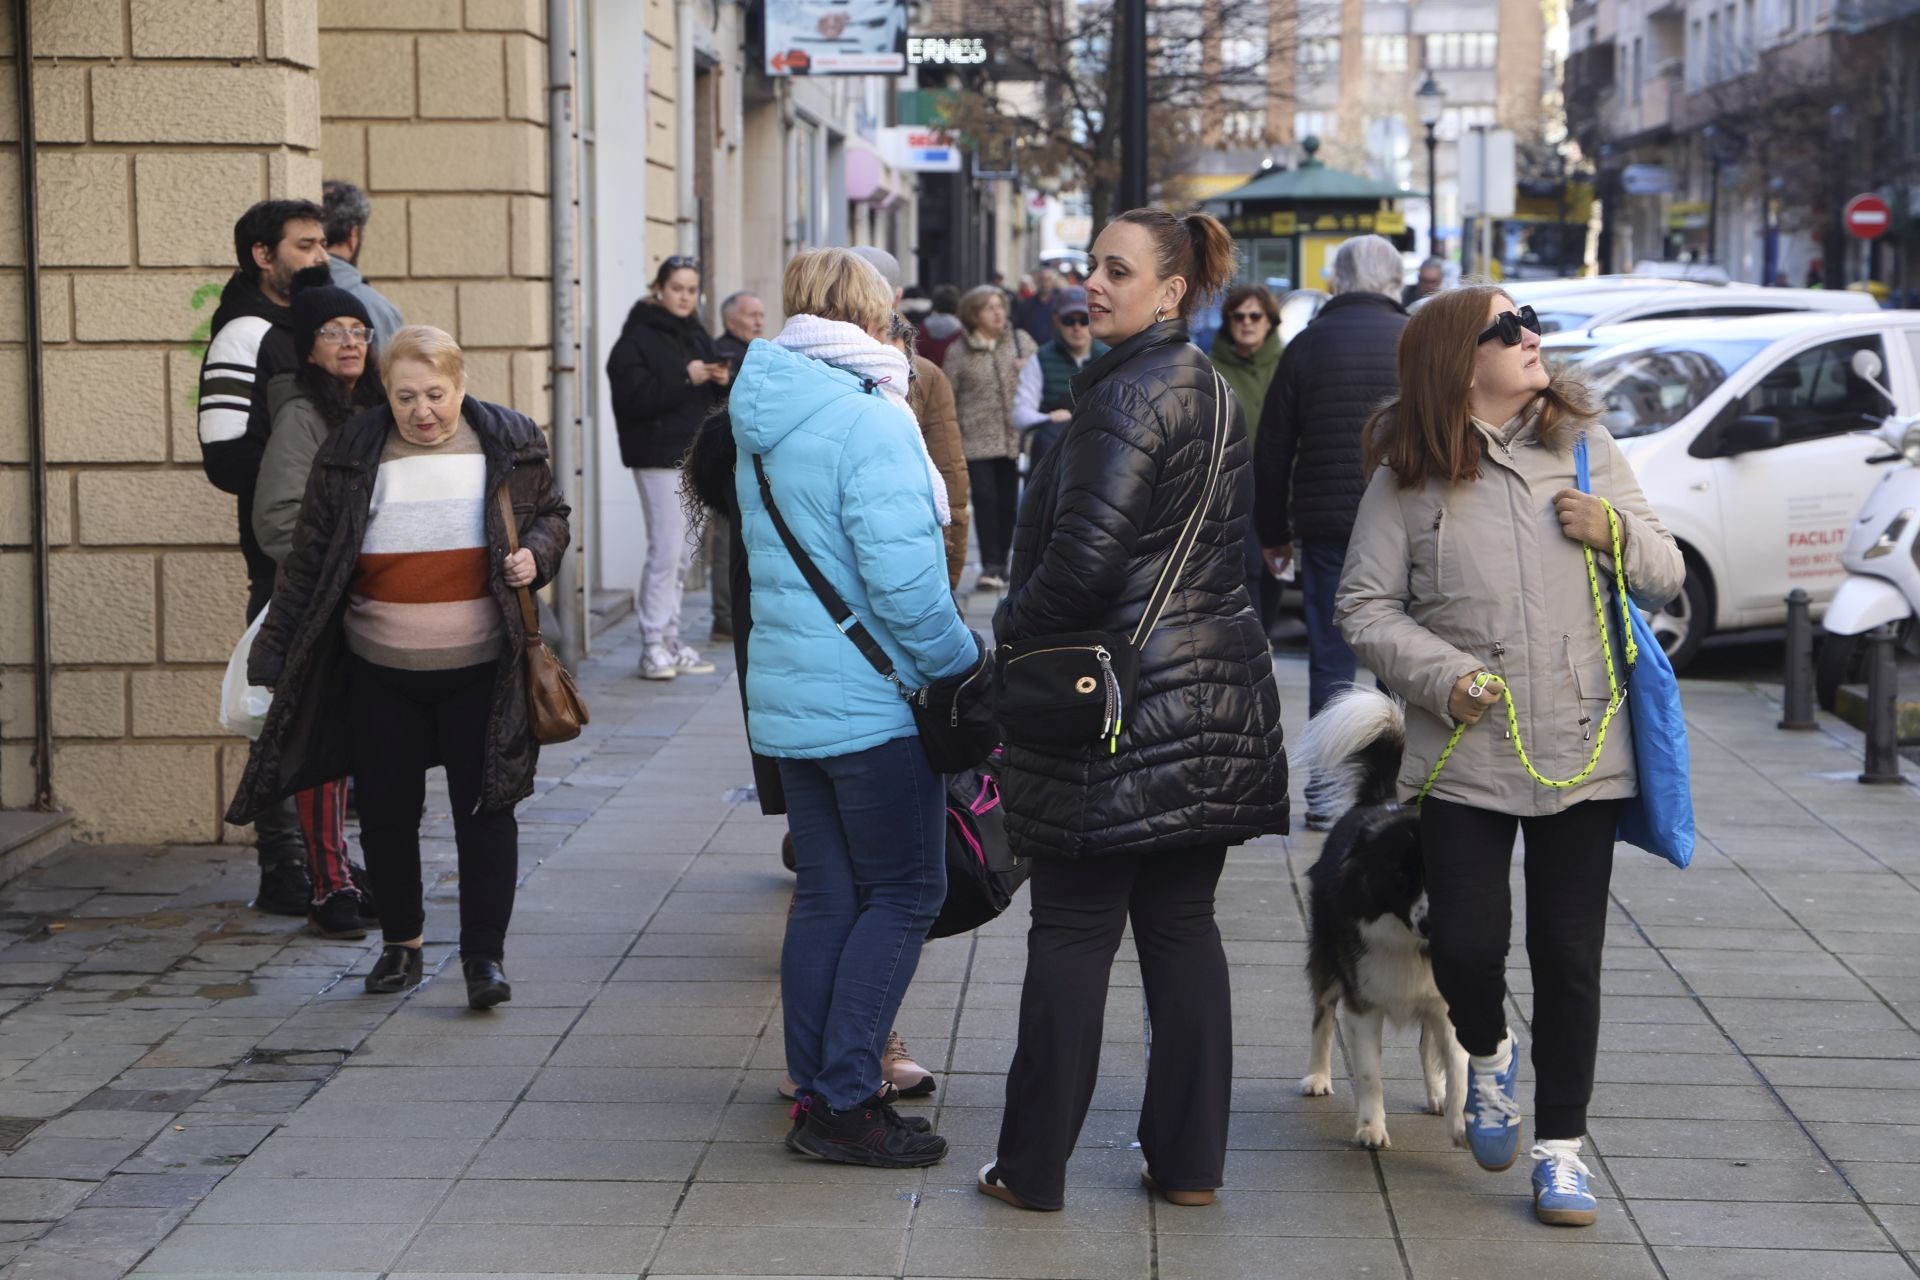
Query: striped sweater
[[419, 599]]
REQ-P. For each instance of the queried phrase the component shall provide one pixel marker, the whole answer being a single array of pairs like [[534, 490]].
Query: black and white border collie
[[1367, 923]]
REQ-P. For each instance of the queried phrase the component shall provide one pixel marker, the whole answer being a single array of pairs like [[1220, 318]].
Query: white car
[[1569, 346], [1747, 436], [1607, 300]]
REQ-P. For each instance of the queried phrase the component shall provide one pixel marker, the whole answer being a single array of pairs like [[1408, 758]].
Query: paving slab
[[218, 1094]]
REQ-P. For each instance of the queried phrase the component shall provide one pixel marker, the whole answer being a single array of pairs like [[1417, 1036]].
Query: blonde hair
[[433, 347], [976, 300], [837, 284]]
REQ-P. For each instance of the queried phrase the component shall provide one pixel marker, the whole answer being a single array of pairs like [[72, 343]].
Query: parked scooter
[[1882, 556]]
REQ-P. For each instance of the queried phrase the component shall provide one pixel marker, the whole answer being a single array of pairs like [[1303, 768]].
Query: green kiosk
[[1289, 221]]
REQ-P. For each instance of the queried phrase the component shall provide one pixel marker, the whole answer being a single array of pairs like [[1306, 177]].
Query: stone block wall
[[438, 109], [158, 122]]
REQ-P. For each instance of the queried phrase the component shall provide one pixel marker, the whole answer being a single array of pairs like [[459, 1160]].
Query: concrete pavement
[[190, 1089]]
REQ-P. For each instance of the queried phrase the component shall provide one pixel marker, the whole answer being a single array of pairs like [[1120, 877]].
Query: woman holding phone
[[667, 376]]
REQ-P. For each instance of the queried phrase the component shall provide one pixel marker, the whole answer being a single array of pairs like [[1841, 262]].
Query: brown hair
[[976, 300], [1195, 247], [1427, 429], [1242, 293]]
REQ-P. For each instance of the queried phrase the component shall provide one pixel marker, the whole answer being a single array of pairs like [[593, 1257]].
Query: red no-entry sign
[[1867, 217]]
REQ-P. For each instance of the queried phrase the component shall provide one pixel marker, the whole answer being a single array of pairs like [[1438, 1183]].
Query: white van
[[1746, 436]]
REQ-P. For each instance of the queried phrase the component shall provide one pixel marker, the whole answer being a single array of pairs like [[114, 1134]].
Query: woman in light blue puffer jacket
[[823, 406]]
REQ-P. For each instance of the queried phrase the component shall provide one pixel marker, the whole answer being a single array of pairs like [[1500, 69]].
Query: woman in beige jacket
[[1466, 581], [984, 368]]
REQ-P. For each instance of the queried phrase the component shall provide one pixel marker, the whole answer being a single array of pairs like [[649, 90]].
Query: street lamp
[[1429, 97]]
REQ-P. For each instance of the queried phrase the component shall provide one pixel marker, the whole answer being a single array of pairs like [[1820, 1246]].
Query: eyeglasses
[[1507, 326], [351, 336], [1249, 317], [1077, 320]]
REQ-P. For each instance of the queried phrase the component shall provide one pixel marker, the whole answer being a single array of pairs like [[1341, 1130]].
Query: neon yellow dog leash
[[1615, 695]]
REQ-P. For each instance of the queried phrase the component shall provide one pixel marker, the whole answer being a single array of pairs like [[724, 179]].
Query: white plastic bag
[[243, 706]]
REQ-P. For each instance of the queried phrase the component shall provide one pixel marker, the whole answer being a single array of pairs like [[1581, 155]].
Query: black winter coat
[[656, 409], [1308, 477], [1201, 760], [301, 649]]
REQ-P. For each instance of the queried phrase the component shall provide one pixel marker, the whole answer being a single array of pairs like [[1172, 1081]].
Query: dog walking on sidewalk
[[1367, 920]]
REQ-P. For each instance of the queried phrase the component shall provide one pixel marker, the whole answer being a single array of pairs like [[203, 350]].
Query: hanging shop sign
[[836, 37]]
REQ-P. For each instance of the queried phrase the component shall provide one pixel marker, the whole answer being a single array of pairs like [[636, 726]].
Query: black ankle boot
[[398, 969], [487, 984]]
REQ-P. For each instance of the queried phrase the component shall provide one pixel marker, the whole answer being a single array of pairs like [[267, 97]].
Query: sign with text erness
[[946, 51], [836, 37], [920, 148]]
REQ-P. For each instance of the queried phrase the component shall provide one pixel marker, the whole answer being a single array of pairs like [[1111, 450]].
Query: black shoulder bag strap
[[1190, 531], [843, 618]]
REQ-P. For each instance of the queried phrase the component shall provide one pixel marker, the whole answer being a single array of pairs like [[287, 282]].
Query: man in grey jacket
[[348, 211]]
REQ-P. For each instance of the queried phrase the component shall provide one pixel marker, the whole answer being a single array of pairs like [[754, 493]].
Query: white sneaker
[[687, 660], [658, 663]]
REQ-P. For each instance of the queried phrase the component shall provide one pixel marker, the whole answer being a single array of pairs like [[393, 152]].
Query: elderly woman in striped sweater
[[394, 642]]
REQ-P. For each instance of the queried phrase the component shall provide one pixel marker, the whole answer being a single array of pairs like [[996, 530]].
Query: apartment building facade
[[1734, 131]]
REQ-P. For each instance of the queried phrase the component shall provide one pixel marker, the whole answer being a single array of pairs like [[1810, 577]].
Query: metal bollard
[[1883, 748], [1797, 713]]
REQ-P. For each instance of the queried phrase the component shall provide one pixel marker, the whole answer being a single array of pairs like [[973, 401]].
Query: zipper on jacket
[[1439, 549], [1579, 694]]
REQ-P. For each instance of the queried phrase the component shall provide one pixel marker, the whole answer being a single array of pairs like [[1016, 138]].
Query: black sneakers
[[285, 890], [338, 917], [872, 1133]]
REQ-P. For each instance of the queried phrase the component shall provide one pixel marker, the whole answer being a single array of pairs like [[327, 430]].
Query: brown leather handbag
[[555, 711]]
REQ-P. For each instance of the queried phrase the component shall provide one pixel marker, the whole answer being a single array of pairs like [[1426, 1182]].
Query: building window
[[1749, 47], [1455, 122], [1319, 51], [1312, 124], [1713, 48], [1789, 16], [1385, 53], [1697, 56], [1245, 126], [1639, 68], [1462, 50]]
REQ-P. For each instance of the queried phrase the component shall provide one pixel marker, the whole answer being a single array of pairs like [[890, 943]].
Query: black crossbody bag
[[953, 715], [1075, 689]]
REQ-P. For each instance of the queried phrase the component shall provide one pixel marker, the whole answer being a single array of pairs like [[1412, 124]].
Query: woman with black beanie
[[338, 376]]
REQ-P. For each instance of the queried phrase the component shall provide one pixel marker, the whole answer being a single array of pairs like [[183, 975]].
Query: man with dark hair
[[273, 242], [347, 211]]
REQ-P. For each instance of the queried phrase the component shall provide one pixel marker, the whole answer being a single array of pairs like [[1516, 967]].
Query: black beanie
[[313, 307]]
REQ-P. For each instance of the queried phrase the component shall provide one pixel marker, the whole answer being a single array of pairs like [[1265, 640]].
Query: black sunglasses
[[1074, 321], [1508, 324]]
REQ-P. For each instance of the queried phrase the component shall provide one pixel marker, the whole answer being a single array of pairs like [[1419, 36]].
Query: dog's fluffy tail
[[1353, 749]]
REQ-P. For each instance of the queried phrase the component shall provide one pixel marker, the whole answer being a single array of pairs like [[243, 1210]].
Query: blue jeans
[[1330, 663], [869, 848]]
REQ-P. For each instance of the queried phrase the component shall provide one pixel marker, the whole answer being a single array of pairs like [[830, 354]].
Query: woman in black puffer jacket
[[1140, 833]]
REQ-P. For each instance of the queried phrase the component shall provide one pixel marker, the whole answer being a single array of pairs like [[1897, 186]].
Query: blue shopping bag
[[1660, 818]]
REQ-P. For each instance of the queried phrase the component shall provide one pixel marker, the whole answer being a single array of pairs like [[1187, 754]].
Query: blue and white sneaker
[[1493, 1113], [1561, 1195]]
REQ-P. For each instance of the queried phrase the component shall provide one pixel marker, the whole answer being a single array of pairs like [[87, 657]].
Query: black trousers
[[1569, 861], [1080, 908], [994, 492], [404, 722]]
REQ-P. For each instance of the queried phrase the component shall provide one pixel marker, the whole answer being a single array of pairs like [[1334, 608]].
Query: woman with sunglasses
[[1246, 356], [667, 376], [337, 378], [1467, 590]]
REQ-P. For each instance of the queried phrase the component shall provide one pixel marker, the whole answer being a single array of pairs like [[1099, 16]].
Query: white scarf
[[849, 347]]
